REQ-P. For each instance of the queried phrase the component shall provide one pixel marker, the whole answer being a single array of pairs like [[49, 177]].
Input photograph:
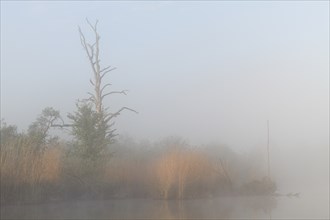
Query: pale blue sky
[[207, 71]]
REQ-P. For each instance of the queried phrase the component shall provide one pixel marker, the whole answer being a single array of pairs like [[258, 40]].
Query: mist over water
[[204, 77]]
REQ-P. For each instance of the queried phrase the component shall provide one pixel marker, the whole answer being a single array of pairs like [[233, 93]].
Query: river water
[[307, 206]]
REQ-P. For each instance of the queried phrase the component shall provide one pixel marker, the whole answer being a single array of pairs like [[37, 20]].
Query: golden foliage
[[178, 168]]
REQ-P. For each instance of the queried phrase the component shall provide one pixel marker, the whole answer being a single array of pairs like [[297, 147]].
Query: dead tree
[[93, 52], [96, 98]]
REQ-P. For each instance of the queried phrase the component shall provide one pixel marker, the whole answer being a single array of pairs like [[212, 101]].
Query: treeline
[[36, 166]]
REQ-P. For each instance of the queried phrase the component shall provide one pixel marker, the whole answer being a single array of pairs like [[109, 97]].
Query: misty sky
[[206, 71]]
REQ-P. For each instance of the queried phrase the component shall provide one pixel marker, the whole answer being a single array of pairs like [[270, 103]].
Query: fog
[[208, 72]]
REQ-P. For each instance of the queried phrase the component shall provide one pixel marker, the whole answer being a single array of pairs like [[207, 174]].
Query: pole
[[268, 149]]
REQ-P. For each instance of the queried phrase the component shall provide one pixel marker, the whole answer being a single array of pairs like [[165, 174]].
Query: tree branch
[[82, 38], [90, 80], [113, 115], [103, 74], [91, 51], [114, 92], [62, 125], [92, 96], [108, 84], [94, 27], [90, 54], [104, 69], [111, 136]]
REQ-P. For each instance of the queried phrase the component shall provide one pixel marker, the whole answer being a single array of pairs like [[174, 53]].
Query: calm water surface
[[307, 207]]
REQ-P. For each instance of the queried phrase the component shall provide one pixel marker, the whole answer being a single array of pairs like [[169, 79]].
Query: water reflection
[[220, 208], [173, 209], [262, 204]]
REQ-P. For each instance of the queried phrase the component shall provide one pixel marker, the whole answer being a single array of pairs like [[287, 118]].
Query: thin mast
[[268, 149]]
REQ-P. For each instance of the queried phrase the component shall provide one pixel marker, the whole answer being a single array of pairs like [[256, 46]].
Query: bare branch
[[113, 115], [62, 125], [61, 119], [92, 97], [91, 46], [107, 119], [82, 38], [104, 69], [103, 74], [94, 27], [92, 51], [89, 53], [114, 92], [108, 84]]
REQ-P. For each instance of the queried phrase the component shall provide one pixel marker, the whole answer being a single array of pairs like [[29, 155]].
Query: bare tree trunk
[[97, 97], [93, 52]]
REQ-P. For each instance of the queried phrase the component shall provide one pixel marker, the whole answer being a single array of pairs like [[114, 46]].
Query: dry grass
[[24, 170], [30, 174], [180, 169]]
